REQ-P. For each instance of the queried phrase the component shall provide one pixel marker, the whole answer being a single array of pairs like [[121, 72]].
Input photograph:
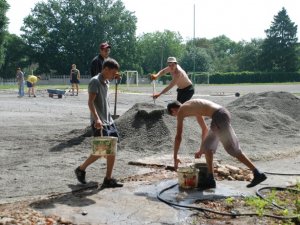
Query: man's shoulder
[[97, 58], [95, 78]]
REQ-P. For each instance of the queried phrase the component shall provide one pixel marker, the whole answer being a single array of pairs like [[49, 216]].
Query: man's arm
[[166, 89], [94, 66], [178, 139], [160, 73], [98, 122], [204, 134], [203, 126]]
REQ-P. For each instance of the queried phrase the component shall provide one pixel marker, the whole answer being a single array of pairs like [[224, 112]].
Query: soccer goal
[[132, 77]]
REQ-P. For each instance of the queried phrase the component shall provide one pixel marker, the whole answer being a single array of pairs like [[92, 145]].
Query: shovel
[[154, 90], [115, 116]]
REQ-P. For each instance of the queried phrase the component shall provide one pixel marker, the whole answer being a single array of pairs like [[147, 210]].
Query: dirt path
[[43, 139]]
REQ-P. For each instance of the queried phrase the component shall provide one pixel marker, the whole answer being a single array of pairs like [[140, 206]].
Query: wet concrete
[[137, 202]]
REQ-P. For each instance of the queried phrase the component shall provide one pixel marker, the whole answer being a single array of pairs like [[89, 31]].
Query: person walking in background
[[20, 80], [185, 90], [101, 119], [96, 66], [220, 130], [74, 79], [31, 83]]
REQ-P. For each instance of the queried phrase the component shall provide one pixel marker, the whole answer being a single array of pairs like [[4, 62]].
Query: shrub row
[[240, 77]]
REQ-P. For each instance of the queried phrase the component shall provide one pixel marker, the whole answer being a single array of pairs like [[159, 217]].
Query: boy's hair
[[172, 105], [111, 64]]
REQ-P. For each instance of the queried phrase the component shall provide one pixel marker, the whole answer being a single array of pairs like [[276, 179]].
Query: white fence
[[65, 80]]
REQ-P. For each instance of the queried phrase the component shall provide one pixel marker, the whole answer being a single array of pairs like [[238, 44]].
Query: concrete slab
[[137, 203]]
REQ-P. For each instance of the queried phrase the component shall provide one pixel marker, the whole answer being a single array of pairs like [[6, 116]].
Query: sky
[[237, 19]]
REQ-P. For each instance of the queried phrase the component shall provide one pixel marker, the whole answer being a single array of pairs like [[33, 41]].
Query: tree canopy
[[279, 52], [63, 32], [3, 28], [58, 33]]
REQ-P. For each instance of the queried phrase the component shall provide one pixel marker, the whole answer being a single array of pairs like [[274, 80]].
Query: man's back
[[199, 107]]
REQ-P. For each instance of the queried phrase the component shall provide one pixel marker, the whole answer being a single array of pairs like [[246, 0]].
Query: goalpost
[[131, 77]]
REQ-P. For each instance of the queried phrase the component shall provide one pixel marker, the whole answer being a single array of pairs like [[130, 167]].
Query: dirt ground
[[44, 139]]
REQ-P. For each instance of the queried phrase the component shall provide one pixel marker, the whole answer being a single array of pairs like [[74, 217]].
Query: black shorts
[[29, 85], [108, 130], [185, 94], [74, 81]]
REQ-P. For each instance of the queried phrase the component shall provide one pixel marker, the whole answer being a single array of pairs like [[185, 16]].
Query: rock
[[230, 178], [239, 177], [6, 221], [232, 169], [223, 171]]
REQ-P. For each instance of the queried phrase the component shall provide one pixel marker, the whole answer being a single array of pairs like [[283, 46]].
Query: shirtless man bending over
[[185, 90], [220, 130]]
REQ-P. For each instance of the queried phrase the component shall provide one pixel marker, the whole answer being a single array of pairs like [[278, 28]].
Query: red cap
[[104, 45]]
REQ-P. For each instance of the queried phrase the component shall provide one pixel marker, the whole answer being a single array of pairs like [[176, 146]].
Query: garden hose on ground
[[258, 193], [283, 174], [233, 214]]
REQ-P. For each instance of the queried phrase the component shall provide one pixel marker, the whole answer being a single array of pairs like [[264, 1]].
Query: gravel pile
[[267, 121], [148, 128], [262, 121]]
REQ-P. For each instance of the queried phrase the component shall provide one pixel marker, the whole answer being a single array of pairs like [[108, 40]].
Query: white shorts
[[224, 134]]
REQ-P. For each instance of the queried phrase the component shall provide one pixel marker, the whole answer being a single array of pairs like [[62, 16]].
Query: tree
[[155, 48], [63, 32], [224, 54], [197, 50], [3, 28], [16, 55], [248, 57], [279, 52]]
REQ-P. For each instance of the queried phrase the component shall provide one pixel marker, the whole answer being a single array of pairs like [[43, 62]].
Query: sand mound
[[267, 125], [148, 127], [267, 121]]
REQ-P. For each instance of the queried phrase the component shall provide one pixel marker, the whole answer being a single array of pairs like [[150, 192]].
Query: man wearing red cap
[[96, 66]]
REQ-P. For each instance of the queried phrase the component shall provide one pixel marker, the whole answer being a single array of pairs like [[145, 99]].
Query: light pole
[[162, 56]]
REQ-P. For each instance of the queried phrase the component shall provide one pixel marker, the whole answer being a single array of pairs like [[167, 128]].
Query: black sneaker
[[258, 178], [110, 183], [80, 174], [208, 183]]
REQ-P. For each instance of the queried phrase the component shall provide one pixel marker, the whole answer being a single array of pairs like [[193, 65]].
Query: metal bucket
[[202, 174], [187, 177], [102, 146]]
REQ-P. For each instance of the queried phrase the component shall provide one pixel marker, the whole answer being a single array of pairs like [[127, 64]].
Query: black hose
[[258, 193], [217, 212], [283, 174]]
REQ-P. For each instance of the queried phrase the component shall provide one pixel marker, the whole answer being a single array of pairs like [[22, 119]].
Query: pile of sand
[[267, 122], [267, 125], [148, 127]]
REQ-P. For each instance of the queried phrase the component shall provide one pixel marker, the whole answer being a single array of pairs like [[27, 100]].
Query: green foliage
[[3, 28], [229, 201], [16, 55], [248, 56], [155, 48], [63, 32], [247, 77], [279, 52], [258, 203], [196, 58]]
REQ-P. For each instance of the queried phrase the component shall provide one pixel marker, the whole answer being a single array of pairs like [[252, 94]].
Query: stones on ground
[[229, 172]]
